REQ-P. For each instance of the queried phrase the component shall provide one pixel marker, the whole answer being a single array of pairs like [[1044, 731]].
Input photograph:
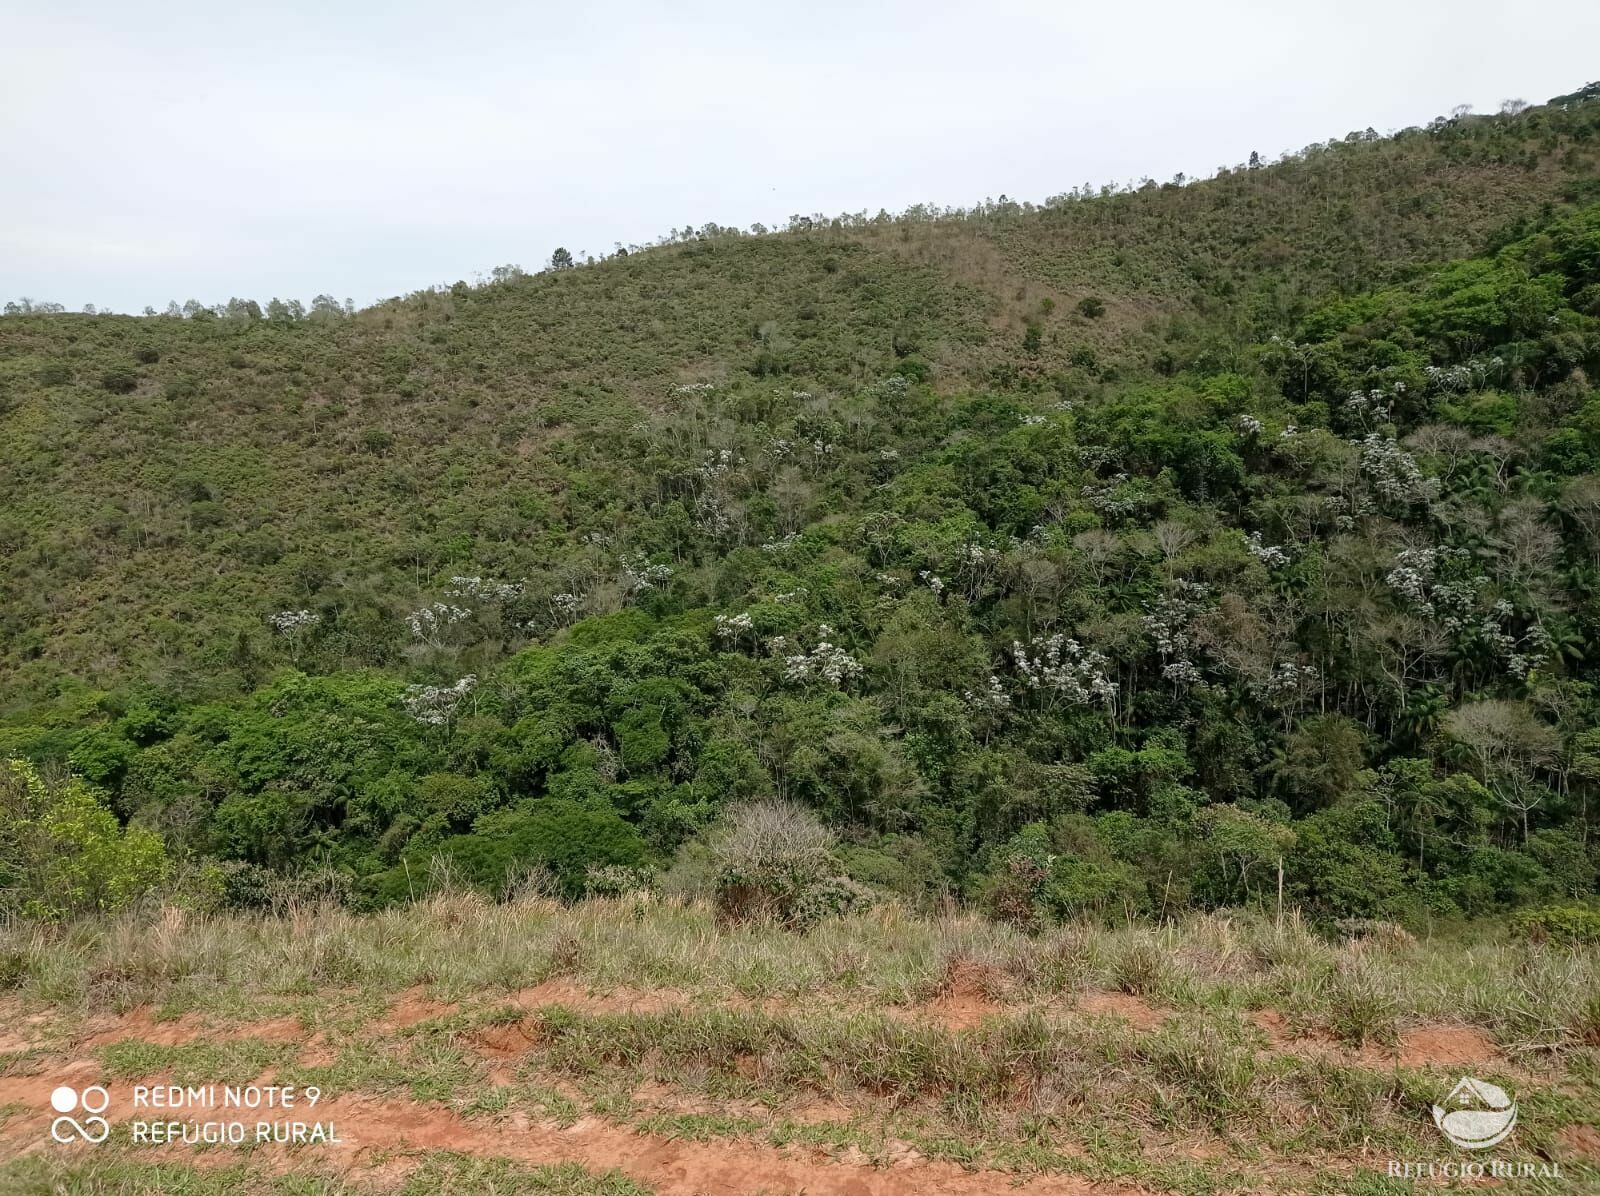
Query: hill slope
[[1093, 557]]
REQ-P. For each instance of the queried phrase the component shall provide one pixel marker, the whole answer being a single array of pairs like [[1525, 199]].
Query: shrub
[[617, 880], [565, 837], [63, 853], [247, 886], [776, 860], [1092, 307], [831, 897], [119, 380], [1564, 923], [1014, 889]]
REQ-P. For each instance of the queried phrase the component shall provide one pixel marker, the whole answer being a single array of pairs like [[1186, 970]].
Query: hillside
[[1098, 557]]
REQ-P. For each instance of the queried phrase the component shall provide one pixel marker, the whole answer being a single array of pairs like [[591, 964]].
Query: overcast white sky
[[168, 150]]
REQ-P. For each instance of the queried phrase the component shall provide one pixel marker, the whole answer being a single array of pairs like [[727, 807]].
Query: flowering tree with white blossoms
[[638, 574], [1394, 473], [430, 623], [1445, 587], [564, 608], [485, 589], [733, 628], [1270, 555], [294, 625], [1062, 670], [1171, 623], [827, 662], [990, 698], [436, 705]]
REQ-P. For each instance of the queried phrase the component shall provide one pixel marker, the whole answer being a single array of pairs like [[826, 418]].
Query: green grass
[[834, 1057], [439, 1174], [1531, 997]]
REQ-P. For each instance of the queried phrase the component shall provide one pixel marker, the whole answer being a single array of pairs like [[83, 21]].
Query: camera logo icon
[[92, 1101]]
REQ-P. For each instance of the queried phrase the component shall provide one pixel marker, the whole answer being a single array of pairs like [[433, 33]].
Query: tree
[[561, 259], [63, 853], [1508, 745]]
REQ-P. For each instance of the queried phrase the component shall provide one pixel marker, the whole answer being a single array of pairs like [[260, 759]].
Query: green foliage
[[1275, 542], [62, 852], [776, 861], [564, 837], [1564, 923]]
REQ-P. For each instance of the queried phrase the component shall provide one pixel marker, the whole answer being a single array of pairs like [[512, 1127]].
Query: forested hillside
[[1093, 557]]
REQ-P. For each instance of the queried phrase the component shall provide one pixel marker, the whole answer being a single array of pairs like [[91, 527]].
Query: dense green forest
[[1093, 557]]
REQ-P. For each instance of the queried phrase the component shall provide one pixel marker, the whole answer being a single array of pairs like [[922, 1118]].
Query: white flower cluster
[[826, 662], [1290, 431], [1182, 672], [1413, 571], [563, 607], [1171, 624], [888, 454], [1058, 665], [1103, 496], [287, 622], [1375, 402], [693, 388], [973, 553], [483, 590], [717, 462], [731, 627], [1465, 376], [1247, 425], [1521, 656], [895, 386], [1394, 472], [822, 448], [1030, 421], [641, 575], [1415, 577], [1288, 679], [782, 545], [426, 622], [991, 698], [1345, 513], [433, 705], [934, 581], [1269, 555], [710, 516]]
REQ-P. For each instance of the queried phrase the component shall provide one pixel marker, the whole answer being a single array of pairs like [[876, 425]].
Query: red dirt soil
[[371, 1129], [1421, 1046], [413, 1007], [1445, 1046], [1582, 1141]]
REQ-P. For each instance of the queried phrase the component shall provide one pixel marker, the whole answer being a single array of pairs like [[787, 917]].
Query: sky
[[173, 150]]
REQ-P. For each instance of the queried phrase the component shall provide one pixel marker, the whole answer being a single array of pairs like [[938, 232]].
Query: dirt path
[[370, 1129]]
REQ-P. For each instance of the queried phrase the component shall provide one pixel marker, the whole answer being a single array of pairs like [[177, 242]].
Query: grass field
[[640, 1046]]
